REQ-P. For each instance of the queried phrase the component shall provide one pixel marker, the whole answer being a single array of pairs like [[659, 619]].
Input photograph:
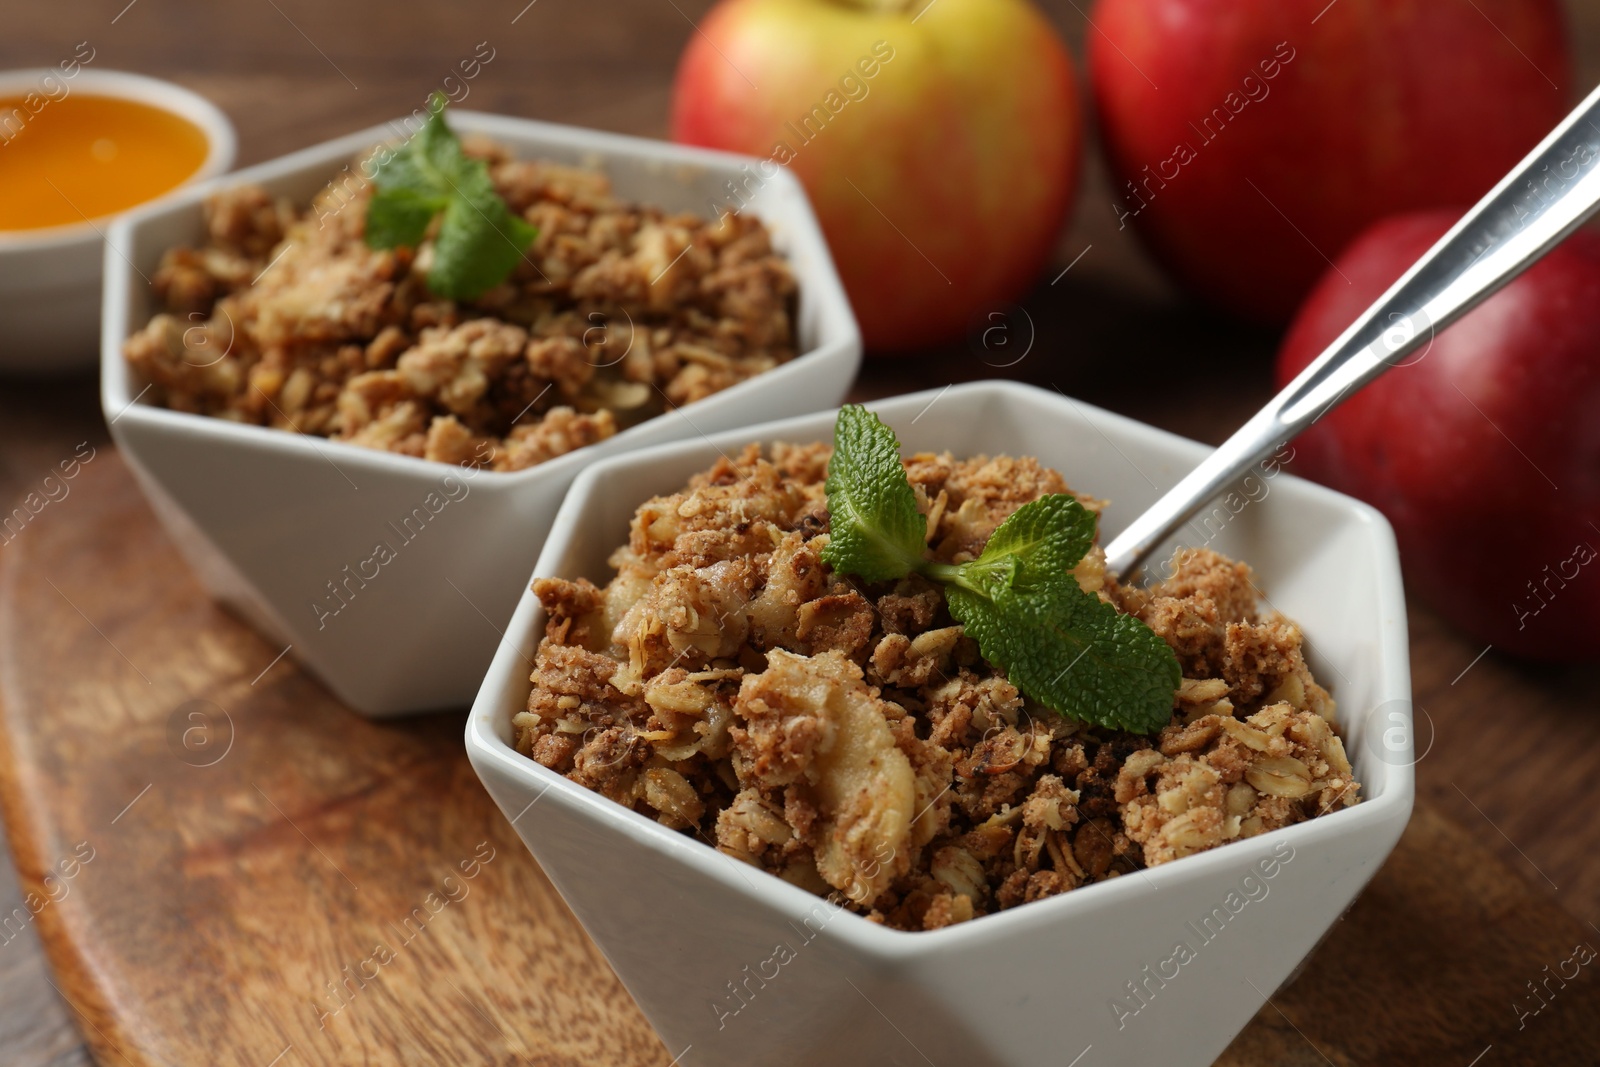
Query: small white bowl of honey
[[79, 146]]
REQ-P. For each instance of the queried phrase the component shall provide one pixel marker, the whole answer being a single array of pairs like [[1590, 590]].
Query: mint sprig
[[479, 240], [875, 530], [1063, 647]]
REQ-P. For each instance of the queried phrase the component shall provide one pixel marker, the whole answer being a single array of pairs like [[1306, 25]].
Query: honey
[[85, 157]]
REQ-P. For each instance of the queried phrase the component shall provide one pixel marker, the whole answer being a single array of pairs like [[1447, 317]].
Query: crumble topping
[[285, 318], [848, 737]]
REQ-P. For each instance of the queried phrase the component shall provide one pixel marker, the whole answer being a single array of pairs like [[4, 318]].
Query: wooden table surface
[[1515, 756]]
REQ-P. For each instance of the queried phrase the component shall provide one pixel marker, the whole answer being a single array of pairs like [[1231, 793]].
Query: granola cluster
[[285, 318], [849, 738]]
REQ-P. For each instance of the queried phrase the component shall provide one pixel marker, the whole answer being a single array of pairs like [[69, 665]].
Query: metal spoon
[[1550, 194]]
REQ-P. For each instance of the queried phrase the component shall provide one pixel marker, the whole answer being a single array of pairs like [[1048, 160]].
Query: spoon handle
[[1550, 193]]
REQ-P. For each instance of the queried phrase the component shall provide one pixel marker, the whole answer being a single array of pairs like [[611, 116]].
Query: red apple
[[938, 139], [1484, 450], [1251, 140]]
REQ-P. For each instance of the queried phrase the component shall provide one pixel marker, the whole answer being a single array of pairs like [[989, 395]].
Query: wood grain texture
[[288, 876], [1517, 749], [1431, 968]]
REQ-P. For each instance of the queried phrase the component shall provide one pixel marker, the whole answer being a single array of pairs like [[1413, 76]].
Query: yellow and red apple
[[939, 142]]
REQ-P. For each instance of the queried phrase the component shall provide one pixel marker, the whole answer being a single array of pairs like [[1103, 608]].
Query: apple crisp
[[848, 737], [285, 318]]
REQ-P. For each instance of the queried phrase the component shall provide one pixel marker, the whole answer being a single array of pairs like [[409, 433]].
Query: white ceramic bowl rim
[[222, 142], [116, 390], [796, 903]]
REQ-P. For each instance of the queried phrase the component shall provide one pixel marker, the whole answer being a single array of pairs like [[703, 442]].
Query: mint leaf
[[1041, 541], [479, 240], [400, 218], [875, 530], [1063, 647], [1074, 653]]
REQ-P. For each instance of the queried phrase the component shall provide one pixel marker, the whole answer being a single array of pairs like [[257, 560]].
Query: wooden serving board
[[227, 867]]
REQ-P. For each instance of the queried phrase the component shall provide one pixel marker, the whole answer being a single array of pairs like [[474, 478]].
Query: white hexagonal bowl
[[276, 523], [744, 969]]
